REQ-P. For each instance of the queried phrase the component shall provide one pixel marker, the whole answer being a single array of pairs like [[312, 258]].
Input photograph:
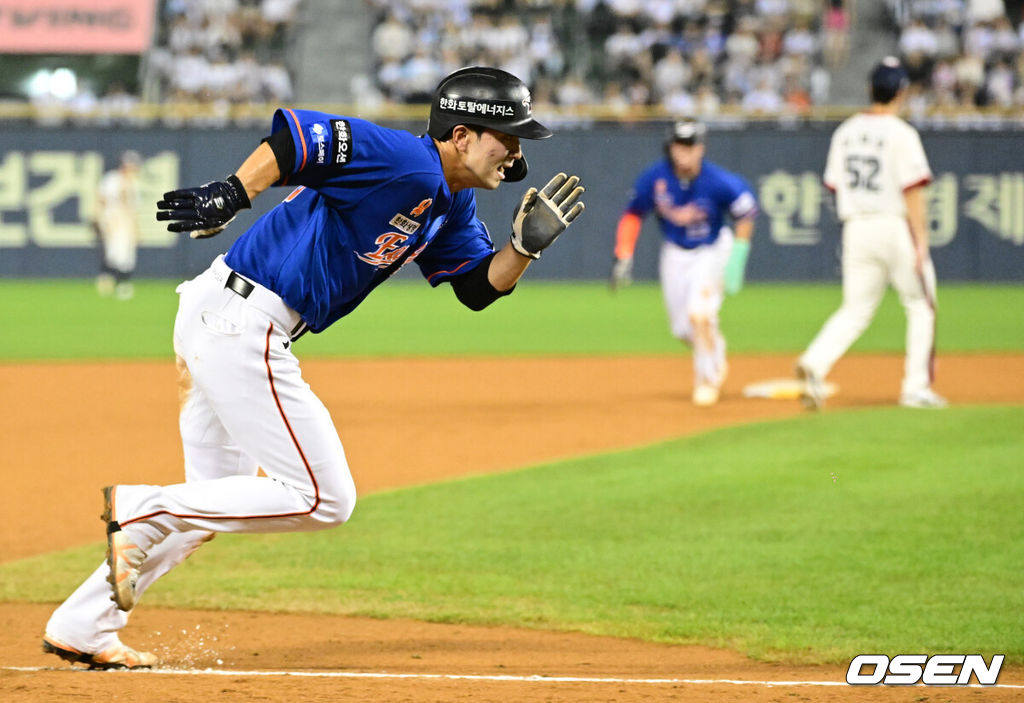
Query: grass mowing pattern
[[67, 320], [812, 539]]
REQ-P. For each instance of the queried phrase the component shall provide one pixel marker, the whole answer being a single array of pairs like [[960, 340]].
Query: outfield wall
[[48, 181]]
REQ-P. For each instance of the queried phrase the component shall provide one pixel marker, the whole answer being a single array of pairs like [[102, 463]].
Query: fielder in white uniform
[[878, 170], [117, 223]]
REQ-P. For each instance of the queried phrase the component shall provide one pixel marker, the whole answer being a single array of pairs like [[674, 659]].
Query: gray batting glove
[[622, 273], [542, 216]]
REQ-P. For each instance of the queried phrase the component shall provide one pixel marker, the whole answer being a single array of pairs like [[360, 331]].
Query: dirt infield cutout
[[69, 435]]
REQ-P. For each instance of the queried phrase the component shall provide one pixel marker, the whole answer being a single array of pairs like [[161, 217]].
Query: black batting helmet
[[487, 97], [686, 131], [888, 78]]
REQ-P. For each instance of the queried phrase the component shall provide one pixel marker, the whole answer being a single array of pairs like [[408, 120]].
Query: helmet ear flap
[[517, 171]]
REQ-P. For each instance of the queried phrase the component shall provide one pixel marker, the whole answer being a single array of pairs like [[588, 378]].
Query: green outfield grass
[[811, 540], [67, 320]]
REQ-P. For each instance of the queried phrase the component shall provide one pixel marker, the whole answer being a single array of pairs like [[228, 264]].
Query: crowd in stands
[[702, 57], [696, 56], [212, 53], [961, 54], [227, 51]]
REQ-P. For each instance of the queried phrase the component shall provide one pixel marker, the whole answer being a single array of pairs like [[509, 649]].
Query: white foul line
[[470, 677]]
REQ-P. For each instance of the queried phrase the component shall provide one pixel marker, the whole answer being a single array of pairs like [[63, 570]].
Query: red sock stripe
[[295, 441]]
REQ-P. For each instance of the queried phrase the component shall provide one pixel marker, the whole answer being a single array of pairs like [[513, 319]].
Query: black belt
[[242, 287], [239, 285]]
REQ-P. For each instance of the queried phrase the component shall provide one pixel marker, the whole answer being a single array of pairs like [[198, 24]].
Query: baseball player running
[[366, 200], [700, 255], [878, 170]]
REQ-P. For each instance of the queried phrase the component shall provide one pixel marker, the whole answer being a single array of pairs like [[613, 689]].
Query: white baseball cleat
[[705, 395], [925, 399], [812, 390], [117, 657]]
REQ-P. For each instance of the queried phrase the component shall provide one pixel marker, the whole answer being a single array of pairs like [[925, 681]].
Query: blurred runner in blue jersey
[[694, 201], [261, 451]]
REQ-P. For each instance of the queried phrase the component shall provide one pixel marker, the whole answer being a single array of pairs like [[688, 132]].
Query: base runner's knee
[[336, 503], [703, 328]]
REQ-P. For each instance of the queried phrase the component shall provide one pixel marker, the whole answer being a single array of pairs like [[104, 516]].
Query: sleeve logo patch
[[318, 133], [341, 142]]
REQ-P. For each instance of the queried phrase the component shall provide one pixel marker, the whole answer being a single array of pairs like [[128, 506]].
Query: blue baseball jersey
[[716, 192], [366, 197]]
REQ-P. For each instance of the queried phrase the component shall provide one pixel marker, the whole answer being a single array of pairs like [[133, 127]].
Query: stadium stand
[[961, 54], [225, 61], [708, 56]]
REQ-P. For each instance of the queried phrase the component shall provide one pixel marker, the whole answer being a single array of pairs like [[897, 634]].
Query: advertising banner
[[975, 206], [75, 26]]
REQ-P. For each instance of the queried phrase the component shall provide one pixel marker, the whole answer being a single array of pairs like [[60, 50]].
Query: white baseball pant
[[692, 285], [879, 251], [245, 407]]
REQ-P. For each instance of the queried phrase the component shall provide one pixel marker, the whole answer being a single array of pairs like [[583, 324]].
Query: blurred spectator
[[970, 76], [999, 86], [918, 38], [706, 102], [947, 41], [1005, 43], [391, 39], [763, 99], [984, 10], [671, 73], [800, 40], [836, 33]]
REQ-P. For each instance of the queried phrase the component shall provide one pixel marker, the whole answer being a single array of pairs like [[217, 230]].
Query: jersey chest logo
[[390, 246]]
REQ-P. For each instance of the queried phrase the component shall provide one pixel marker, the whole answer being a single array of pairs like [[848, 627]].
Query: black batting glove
[[542, 216], [203, 211]]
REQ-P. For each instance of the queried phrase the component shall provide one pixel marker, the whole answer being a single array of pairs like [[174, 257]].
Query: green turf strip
[[67, 320], [811, 539]]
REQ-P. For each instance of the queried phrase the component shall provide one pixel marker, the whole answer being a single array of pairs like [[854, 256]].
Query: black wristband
[[474, 289], [239, 198]]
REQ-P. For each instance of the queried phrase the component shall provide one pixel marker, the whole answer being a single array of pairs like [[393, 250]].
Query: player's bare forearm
[[914, 199], [744, 228], [259, 171], [506, 268]]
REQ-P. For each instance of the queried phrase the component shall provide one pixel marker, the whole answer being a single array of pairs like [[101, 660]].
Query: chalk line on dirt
[[467, 677]]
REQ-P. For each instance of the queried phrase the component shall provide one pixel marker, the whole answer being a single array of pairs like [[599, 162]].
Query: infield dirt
[[72, 428]]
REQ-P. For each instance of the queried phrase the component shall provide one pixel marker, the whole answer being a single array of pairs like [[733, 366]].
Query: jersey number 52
[[862, 172]]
